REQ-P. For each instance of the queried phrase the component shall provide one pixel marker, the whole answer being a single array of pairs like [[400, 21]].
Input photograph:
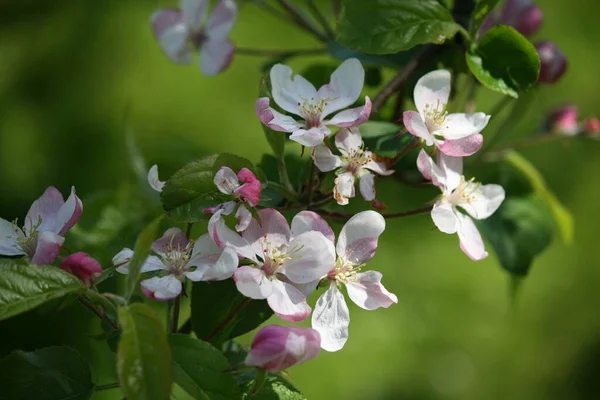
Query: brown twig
[[345, 216]]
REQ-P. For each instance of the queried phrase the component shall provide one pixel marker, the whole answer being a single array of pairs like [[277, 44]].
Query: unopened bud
[[553, 62], [276, 348], [591, 127], [83, 266], [525, 16], [563, 120]]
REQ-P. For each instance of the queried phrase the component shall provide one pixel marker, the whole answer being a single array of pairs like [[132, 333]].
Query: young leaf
[[276, 388], [45, 374], [191, 189], [483, 8], [143, 244], [504, 61], [220, 312], [25, 286], [376, 129], [144, 360], [199, 369], [390, 26]]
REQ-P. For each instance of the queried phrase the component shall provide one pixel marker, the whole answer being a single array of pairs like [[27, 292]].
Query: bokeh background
[[78, 76]]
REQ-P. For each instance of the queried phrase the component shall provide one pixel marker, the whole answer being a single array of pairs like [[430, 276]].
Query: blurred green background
[[76, 75]]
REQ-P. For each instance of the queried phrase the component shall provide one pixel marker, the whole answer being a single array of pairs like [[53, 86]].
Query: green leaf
[[51, 373], [483, 8], [390, 26], [144, 361], [520, 230], [142, 248], [25, 286], [199, 369], [375, 129], [505, 61], [191, 189], [220, 312], [275, 388], [562, 216], [382, 137]]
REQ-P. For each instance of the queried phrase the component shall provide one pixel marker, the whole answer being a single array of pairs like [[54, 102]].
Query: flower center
[[311, 110], [176, 257], [276, 255], [356, 160], [344, 272], [465, 192], [27, 237], [435, 117]]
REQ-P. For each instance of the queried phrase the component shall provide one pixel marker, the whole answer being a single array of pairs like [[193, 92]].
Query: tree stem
[[97, 311], [311, 178], [108, 386], [278, 53], [175, 314], [345, 216]]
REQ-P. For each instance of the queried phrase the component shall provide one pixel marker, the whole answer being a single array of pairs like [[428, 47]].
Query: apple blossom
[[563, 120], [153, 180], [247, 192], [354, 163], [279, 261], [591, 127], [276, 348], [83, 266], [299, 97], [45, 225], [180, 32], [454, 134], [553, 62], [177, 257], [523, 15], [479, 201]]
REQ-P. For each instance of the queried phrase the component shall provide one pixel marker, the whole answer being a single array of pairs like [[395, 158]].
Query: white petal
[[226, 180], [471, 242], [275, 227], [352, 117], [122, 258], [486, 200], [368, 292], [8, 239], [324, 159], [221, 19], [216, 55], [173, 237], [289, 92], [344, 87], [432, 91], [430, 170], [367, 186], [416, 126], [45, 210], [306, 221], [172, 33], [452, 168], [288, 302], [348, 140], [312, 137], [193, 12], [153, 263], [331, 318], [444, 217], [153, 180], [68, 214], [226, 237], [252, 282], [458, 126], [273, 118], [307, 288], [165, 288], [223, 268], [379, 167], [313, 255], [344, 188], [357, 241], [47, 248], [243, 217]]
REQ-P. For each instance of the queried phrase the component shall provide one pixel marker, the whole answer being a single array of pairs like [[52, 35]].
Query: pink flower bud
[[522, 15], [591, 126], [563, 120], [82, 265], [251, 188], [553, 62], [276, 348]]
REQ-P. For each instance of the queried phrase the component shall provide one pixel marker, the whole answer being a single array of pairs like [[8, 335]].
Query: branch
[[321, 18], [301, 20], [278, 53], [345, 216]]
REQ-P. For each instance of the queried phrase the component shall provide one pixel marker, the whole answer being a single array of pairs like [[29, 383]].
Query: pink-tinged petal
[[273, 118], [48, 248], [426, 165], [275, 226], [170, 29], [348, 140], [368, 292], [471, 242], [44, 210], [153, 263], [122, 259], [563, 120], [251, 188], [379, 167], [161, 289], [313, 256], [452, 169], [216, 55], [243, 217], [444, 217], [307, 288], [252, 282], [8, 239], [82, 265], [193, 11], [172, 238], [459, 126], [225, 237], [415, 126], [226, 180], [432, 92], [223, 208], [485, 200], [289, 92], [306, 221], [288, 302], [312, 137], [344, 87], [153, 180], [331, 318], [352, 117], [462, 147], [357, 241], [221, 19], [324, 159], [367, 186], [223, 268], [344, 188], [276, 348], [69, 213]]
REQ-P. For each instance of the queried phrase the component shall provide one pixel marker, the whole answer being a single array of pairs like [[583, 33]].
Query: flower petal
[[273, 118], [243, 217], [221, 19], [432, 91], [471, 242], [367, 186], [344, 87], [486, 200], [368, 292], [216, 55], [288, 302], [82, 265], [331, 318], [252, 282], [344, 188], [193, 12], [430, 170], [153, 263], [348, 140], [169, 28], [275, 226], [311, 137], [223, 208], [312, 256], [458, 126], [462, 147], [225, 237], [8, 239], [306, 221], [222, 269], [68, 214], [352, 117], [324, 159], [452, 169], [444, 217], [161, 289], [251, 187], [44, 210], [122, 259], [153, 180], [415, 125], [357, 241], [378, 165], [173, 237], [47, 249], [226, 180], [290, 92]]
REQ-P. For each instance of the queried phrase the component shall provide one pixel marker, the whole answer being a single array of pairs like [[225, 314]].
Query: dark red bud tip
[[591, 126], [529, 21], [83, 266], [379, 206], [553, 62]]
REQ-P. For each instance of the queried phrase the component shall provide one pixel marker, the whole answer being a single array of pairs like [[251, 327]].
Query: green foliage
[[191, 189], [483, 8], [25, 286], [229, 317], [390, 26], [504, 61], [51, 373], [275, 388], [144, 358], [199, 369], [382, 138], [142, 248]]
